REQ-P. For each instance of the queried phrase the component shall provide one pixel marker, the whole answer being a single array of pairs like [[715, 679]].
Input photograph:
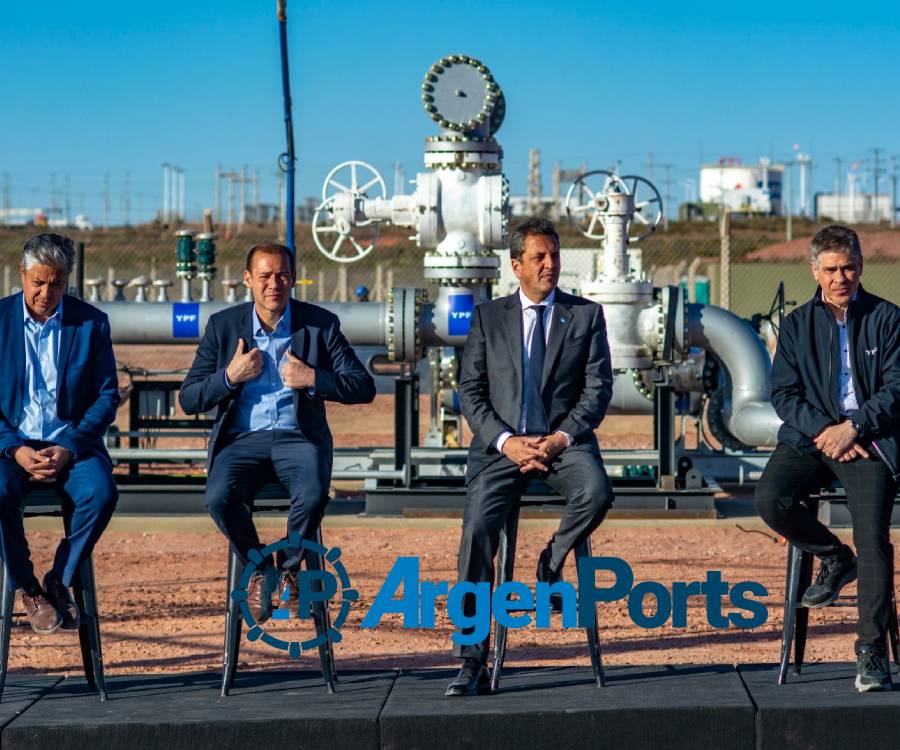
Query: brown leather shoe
[[61, 598], [259, 593], [42, 615]]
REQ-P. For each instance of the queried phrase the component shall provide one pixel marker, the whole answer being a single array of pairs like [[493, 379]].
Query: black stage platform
[[713, 706]]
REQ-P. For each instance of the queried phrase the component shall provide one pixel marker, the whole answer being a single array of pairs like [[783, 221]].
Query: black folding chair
[[44, 501], [796, 616], [271, 498], [506, 561]]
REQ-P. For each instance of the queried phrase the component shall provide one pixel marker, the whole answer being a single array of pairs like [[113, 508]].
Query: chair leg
[[327, 620], [232, 623], [7, 597], [506, 564], [89, 629], [321, 621], [791, 595], [592, 632], [802, 612]]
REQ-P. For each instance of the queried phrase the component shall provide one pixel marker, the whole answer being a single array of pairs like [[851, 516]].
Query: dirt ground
[[161, 588]]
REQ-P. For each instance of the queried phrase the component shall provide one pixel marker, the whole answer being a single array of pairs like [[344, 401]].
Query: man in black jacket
[[836, 385], [535, 383]]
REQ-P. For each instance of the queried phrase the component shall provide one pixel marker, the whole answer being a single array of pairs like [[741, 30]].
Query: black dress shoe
[[473, 679], [834, 573], [61, 598], [546, 575]]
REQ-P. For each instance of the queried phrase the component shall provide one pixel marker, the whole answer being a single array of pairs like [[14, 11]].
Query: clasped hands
[[43, 465], [838, 442], [247, 365], [534, 453]]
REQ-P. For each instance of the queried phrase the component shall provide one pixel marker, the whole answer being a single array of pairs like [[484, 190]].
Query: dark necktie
[[535, 419]]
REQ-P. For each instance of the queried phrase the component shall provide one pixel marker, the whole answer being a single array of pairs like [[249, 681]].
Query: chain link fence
[[689, 254]]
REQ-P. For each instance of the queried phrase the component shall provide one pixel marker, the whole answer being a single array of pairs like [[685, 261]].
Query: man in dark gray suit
[[535, 383]]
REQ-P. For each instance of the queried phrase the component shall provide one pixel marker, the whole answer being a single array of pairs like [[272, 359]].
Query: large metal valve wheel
[[339, 215], [587, 206]]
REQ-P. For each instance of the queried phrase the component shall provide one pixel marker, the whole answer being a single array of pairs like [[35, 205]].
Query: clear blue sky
[[101, 87]]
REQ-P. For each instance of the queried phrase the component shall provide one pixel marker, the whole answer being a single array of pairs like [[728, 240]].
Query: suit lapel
[[512, 330], [559, 326], [15, 337], [66, 336], [298, 344]]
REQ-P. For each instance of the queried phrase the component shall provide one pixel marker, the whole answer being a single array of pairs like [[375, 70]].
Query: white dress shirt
[[529, 319]]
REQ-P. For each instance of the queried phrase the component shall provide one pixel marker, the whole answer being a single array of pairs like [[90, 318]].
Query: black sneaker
[[873, 670], [834, 573]]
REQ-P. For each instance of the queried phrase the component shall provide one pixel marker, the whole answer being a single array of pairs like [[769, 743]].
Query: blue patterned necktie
[[535, 419]]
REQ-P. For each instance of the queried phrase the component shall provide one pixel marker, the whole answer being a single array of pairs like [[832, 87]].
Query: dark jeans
[[788, 479], [577, 475], [89, 498], [252, 459]]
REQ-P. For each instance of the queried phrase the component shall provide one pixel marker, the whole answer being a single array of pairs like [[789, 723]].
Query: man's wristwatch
[[855, 425]]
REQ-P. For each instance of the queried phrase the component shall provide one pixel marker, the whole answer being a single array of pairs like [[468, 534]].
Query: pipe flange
[[460, 94], [637, 378]]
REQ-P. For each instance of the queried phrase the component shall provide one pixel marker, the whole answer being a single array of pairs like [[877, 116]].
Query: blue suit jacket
[[88, 389], [316, 338]]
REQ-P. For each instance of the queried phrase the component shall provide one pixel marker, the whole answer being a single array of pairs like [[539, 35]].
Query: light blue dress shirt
[[266, 403], [39, 420]]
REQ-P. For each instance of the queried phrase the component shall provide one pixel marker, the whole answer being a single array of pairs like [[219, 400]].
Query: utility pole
[[67, 202], [5, 195], [893, 191], [242, 208], [667, 181], [837, 191], [534, 182], [126, 200], [181, 208], [876, 171], [650, 166], [165, 205], [789, 200], [218, 198], [106, 200]]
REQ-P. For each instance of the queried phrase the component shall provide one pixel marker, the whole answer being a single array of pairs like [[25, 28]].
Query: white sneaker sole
[[872, 688]]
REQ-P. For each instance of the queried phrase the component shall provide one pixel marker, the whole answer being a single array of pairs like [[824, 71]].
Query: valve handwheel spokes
[[336, 221], [585, 206]]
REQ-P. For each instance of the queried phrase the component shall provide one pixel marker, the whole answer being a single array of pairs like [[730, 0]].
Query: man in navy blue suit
[[58, 394], [267, 367]]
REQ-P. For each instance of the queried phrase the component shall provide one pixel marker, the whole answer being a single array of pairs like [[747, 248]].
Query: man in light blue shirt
[[267, 367], [58, 395]]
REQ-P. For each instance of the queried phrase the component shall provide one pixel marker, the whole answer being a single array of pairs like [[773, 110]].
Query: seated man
[[58, 394], [535, 383], [267, 367], [836, 385]]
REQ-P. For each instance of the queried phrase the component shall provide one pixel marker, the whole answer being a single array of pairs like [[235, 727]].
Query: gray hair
[[835, 239], [49, 250]]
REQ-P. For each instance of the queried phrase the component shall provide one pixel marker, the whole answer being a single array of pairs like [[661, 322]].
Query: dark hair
[[271, 248], [49, 249], [529, 228], [835, 239]]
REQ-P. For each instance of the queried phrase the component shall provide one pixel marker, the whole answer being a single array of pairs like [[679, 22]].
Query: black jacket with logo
[[807, 366]]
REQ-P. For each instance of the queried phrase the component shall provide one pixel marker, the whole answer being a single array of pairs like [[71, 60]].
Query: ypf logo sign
[[185, 320], [459, 314], [316, 587]]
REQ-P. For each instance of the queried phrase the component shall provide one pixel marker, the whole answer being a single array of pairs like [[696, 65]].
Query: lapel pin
[[562, 320]]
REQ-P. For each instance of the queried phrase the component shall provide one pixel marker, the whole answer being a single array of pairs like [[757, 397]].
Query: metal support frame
[[406, 426]]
